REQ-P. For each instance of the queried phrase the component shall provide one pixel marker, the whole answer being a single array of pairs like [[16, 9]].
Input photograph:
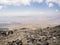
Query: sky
[[30, 10]]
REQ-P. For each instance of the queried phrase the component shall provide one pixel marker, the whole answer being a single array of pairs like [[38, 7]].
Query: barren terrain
[[27, 34]]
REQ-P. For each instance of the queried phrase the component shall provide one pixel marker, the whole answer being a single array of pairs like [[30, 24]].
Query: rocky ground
[[27, 36]]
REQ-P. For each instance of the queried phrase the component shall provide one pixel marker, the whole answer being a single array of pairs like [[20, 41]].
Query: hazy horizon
[[29, 20], [30, 11]]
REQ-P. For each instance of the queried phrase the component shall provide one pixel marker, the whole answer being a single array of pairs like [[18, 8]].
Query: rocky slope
[[26, 36]]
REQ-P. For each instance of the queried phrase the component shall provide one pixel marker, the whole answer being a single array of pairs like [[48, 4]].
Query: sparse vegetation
[[45, 36]]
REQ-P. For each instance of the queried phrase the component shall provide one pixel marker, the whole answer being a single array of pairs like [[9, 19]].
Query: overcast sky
[[44, 10]]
